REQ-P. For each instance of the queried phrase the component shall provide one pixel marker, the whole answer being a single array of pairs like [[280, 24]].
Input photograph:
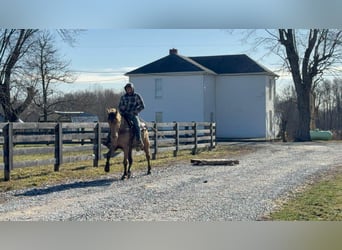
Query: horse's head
[[114, 116], [114, 121]]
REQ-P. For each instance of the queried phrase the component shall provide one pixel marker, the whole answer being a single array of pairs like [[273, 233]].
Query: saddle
[[134, 141], [141, 123], [143, 127]]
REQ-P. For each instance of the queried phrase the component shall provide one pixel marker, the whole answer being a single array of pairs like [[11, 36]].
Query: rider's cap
[[129, 85]]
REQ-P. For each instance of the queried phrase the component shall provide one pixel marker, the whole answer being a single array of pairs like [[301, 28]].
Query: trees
[[14, 46], [90, 101], [308, 55], [285, 108], [328, 109], [329, 105], [45, 68]]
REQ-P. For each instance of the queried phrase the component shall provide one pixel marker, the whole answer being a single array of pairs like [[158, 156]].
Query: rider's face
[[129, 90]]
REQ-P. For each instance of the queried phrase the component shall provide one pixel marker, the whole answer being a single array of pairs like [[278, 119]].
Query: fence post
[[176, 128], [82, 132], [97, 145], [58, 146], [8, 150], [194, 150], [154, 155], [211, 135]]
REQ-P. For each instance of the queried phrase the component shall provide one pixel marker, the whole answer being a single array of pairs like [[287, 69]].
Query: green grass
[[320, 201], [45, 175]]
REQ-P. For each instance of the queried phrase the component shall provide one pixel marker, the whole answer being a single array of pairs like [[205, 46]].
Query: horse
[[122, 136]]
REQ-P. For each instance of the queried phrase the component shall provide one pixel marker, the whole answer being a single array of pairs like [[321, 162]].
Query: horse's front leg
[[107, 166], [127, 162], [109, 155], [130, 162]]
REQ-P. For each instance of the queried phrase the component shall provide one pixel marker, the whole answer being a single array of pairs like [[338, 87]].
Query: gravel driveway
[[244, 192]]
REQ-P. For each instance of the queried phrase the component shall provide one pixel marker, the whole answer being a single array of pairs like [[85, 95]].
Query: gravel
[[184, 192]]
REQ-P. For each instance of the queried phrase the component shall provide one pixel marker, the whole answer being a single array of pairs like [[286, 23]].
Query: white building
[[233, 90]]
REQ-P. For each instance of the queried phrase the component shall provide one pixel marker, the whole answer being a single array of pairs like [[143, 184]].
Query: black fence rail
[[58, 143], [175, 136]]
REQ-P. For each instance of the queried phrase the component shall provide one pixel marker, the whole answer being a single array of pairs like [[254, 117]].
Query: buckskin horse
[[122, 136]]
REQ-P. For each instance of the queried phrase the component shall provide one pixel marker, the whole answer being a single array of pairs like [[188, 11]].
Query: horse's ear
[[111, 110]]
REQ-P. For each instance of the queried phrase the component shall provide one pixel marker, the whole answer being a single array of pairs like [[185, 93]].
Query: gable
[[168, 64]]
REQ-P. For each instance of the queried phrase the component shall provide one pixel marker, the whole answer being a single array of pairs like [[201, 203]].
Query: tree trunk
[[304, 114]]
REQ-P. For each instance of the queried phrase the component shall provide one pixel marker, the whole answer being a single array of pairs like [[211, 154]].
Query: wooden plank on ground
[[214, 162]]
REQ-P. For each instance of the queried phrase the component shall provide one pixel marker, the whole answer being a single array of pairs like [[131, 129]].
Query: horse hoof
[[123, 177], [106, 169]]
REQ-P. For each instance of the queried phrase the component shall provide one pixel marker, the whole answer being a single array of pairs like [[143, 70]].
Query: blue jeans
[[136, 125]]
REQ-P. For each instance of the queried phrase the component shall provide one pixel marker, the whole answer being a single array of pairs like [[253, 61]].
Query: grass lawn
[[320, 201]]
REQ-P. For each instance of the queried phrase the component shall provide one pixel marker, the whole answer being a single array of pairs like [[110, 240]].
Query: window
[[159, 116], [158, 88]]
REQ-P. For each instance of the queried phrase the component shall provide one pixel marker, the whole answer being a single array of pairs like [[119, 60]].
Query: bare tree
[[328, 109], [285, 109], [329, 95], [309, 56], [14, 45], [45, 69]]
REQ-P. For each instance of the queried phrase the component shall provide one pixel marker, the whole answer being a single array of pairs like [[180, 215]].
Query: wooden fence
[[58, 143]]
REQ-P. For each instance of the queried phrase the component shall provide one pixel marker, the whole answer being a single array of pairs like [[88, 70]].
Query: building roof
[[170, 63], [222, 64]]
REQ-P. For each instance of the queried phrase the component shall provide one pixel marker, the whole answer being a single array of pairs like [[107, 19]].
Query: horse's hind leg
[[148, 159], [125, 169], [147, 152]]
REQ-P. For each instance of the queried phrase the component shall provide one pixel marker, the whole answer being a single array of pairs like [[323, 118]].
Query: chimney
[[173, 51]]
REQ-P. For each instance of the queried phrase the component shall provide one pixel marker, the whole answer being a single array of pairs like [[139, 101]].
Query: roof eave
[[173, 73], [249, 73]]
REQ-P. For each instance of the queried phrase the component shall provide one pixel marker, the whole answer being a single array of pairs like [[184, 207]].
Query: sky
[[122, 35], [101, 57]]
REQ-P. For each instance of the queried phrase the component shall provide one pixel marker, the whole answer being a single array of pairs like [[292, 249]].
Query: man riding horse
[[130, 105]]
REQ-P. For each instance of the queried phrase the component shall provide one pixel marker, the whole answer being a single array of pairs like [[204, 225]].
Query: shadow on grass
[[63, 187]]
